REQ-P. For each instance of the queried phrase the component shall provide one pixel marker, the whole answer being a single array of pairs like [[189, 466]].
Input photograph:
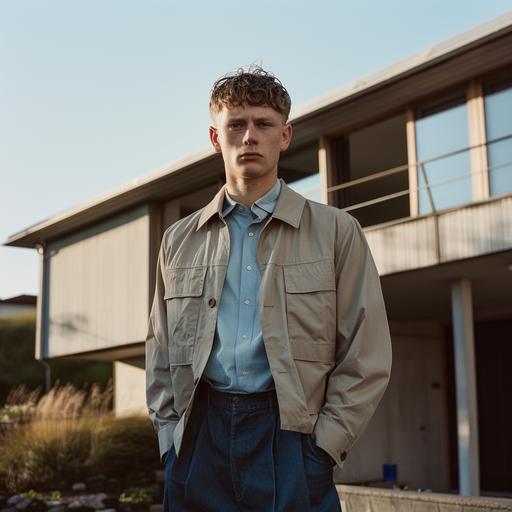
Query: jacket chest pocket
[[311, 309], [183, 292]]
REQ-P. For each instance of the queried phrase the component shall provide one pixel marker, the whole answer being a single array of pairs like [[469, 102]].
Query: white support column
[[324, 168], [465, 388]]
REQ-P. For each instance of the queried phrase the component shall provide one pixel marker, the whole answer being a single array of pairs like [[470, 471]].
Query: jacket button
[[343, 456], [212, 302]]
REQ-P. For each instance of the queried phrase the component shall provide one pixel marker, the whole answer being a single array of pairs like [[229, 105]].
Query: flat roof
[[133, 192]]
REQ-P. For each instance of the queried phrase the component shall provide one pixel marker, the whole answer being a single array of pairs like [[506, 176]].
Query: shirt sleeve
[[363, 344], [159, 390]]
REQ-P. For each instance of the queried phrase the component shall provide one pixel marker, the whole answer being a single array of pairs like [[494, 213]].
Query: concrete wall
[[364, 499], [130, 387], [98, 286], [410, 425]]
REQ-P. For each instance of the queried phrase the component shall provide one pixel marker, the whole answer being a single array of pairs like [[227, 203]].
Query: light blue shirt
[[238, 362]]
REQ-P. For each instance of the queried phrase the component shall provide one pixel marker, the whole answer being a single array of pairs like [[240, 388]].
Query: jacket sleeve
[[159, 391], [363, 345]]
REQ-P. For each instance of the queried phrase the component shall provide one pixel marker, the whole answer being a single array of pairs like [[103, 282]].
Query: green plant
[[31, 494], [55, 496], [142, 496]]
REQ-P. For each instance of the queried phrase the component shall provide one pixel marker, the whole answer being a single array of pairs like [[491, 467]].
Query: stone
[[78, 486], [13, 500]]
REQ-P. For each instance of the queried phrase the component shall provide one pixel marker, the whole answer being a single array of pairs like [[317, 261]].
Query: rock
[[13, 500], [94, 501], [23, 503], [78, 486]]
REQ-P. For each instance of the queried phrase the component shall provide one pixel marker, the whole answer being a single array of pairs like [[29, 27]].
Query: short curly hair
[[253, 86]]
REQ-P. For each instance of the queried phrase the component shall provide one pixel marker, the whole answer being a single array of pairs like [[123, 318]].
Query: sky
[[95, 93]]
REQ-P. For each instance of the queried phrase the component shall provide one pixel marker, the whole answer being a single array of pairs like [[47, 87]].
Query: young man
[[268, 347]]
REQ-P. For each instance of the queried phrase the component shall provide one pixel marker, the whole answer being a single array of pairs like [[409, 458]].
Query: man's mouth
[[249, 155]]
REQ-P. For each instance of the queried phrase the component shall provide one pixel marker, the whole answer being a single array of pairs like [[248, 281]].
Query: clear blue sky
[[94, 94]]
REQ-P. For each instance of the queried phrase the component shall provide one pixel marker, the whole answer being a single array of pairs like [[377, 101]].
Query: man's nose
[[249, 135]]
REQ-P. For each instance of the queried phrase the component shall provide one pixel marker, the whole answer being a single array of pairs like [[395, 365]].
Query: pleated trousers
[[235, 457]]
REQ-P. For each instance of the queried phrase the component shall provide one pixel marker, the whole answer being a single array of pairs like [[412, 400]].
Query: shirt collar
[[267, 202], [289, 206]]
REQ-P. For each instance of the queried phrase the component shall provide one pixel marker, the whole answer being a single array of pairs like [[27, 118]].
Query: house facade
[[421, 154]]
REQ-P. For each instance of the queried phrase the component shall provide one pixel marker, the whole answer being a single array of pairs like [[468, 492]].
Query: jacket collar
[[289, 207]]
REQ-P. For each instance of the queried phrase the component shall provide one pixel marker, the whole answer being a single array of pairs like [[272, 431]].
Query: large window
[[444, 170], [498, 121], [359, 155]]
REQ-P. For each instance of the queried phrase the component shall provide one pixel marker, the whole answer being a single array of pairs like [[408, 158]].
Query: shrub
[[71, 435]]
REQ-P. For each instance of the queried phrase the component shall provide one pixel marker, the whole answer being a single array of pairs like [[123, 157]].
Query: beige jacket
[[322, 313]]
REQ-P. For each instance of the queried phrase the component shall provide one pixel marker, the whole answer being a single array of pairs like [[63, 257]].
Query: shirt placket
[[248, 285]]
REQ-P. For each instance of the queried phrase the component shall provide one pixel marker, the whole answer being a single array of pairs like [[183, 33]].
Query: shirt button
[[240, 208], [212, 302], [243, 373], [251, 233], [248, 267], [244, 337], [247, 301]]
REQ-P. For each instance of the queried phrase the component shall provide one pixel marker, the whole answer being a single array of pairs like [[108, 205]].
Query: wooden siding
[[474, 230], [98, 286]]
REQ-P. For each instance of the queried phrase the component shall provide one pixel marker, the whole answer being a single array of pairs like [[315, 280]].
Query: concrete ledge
[[364, 499]]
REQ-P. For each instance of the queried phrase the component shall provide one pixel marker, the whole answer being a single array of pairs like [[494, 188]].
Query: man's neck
[[247, 192]]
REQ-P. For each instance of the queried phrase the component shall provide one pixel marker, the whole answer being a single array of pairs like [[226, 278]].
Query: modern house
[[421, 154]]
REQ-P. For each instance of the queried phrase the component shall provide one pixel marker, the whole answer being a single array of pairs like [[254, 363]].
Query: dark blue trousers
[[235, 457]]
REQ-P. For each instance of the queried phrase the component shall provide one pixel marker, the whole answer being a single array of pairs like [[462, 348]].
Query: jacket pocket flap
[[319, 352], [309, 277], [184, 282]]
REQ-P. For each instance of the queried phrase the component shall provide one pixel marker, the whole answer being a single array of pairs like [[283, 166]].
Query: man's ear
[[214, 138], [286, 136]]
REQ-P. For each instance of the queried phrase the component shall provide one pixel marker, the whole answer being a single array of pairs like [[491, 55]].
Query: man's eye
[[235, 125]]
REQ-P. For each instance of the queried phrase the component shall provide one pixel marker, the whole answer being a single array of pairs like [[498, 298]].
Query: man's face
[[250, 140]]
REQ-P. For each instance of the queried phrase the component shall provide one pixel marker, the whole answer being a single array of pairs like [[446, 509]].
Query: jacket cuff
[[330, 437], [165, 439]]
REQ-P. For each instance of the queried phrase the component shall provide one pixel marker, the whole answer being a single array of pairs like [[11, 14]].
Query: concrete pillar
[[465, 388]]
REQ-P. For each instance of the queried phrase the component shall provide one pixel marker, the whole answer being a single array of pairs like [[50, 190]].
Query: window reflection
[[498, 120], [446, 181]]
